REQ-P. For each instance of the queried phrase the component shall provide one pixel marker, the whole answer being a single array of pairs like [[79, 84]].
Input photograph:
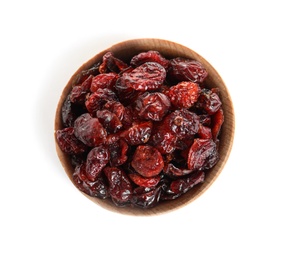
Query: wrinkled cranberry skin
[[176, 188], [111, 64], [120, 187], [109, 121], [217, 121], [144, 197], [141, 132], [138, 134], [88, 130], [147, 182], [152, 106], [164, 141], [181, 123], [182, 69], [209, 102], [99, 98], [118, 152], [97, 188], [174, 171], [68, 142], [97, 159], [149, 56], [148, 76], [103, 81], [147, 161], [184, 94], [202, 154]]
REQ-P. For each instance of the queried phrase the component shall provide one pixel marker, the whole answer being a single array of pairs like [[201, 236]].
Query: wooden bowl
[[124, 51]]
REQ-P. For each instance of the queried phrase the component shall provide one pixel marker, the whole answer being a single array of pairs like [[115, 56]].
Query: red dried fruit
[[79, 92], [184, 94], [118, 153], [204, 132], [88, 130], [111, 63], [144, 197], [173, 171], [120, 187], [152, 106], [147, 182], [68, 143], [163, 141], [69, 112], [97, 188], [217, 121], [138, 134], [109, 121], [116, 108], [208, 101], [202, 154], [125, 93], [182, 69], [149, 56], [97, 159], [103, 81], [180, 186], [182, 123], [99, 98], [147, 161], [142, 132], [148, 76]]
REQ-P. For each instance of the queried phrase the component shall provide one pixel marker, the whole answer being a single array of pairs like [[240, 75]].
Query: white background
[[248, 211]]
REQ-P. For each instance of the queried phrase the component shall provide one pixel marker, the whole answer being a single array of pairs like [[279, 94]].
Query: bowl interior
[[125, 51]]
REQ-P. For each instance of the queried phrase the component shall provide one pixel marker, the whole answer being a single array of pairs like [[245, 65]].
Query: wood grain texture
[[125, 51]]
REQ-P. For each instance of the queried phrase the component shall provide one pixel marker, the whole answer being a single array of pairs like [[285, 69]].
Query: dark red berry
[[147, 161]]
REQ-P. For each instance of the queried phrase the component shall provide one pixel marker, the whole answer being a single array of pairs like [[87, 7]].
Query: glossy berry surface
[[143, 131]]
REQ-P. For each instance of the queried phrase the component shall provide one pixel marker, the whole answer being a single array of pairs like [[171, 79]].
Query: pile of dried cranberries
[[141, 132]]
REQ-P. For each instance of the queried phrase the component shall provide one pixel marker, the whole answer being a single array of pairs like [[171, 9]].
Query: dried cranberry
[[97, 188], [182, 69], [147, 161], [148, 76], [182, 123], [68, 143], [118, 152], [138, 134], [204, 132], [217, 121], [144, 197], [144, 181], [152, 106], [97, 159], [208, 101], [174, 171], [149, 56], [111, 63], [109, 121], [88, 130], [116, 108], [103, 81], [120, 187], [99, 98], [202, 154], [184, 94], [70, 112], [164, 141], [79, 92], [180, 186]]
